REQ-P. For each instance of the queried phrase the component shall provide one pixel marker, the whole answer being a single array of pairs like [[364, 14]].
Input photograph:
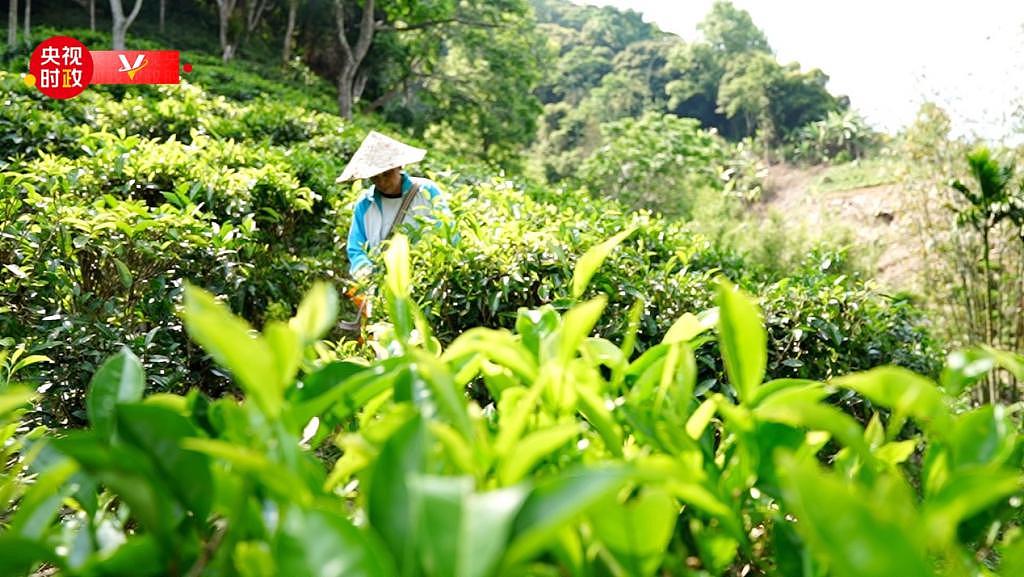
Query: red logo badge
[[136, 67], [61, 67]]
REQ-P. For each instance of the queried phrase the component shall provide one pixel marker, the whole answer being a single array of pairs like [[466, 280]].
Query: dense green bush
[[588, 462], [517, 250], [138, 191], [659, 162], [839, 137], [110, 201]]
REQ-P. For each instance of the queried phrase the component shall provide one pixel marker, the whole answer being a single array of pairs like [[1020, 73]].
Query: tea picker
[[394, 199]]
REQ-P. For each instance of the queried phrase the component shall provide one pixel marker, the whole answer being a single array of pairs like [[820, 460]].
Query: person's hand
[[362, 273]]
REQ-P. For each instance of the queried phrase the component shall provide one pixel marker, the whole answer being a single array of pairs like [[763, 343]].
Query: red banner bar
[[135, 67]]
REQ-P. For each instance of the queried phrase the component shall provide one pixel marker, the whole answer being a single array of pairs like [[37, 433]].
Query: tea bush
[[517, 250], [112, 200], [590, 461]]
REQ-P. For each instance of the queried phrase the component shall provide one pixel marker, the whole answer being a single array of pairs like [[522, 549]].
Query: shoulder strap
[[404, 208]]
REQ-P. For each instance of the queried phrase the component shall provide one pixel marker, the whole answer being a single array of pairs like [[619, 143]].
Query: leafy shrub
[[588, 461], [840, 137], [659, 162], [518, 250], [240, 197], [110, 201], [31, 123]]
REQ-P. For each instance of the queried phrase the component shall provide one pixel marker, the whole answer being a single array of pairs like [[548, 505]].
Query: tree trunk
[[359, 85], [163, 12], [224, 10], [989, 289], [122, 22], [254, 14], [286, 51], [346, 80], [92, 15], [352, 55], [28, 21], [12, 24]]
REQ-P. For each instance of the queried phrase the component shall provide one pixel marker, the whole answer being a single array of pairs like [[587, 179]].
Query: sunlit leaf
[[557, 502], [396, 260], [965, 368], [743, 340], [844, 525], [532, 449], [592, 260], [904, 392], [577, 324], [318, 543], [316, 313], [229, 340], [637, 531]]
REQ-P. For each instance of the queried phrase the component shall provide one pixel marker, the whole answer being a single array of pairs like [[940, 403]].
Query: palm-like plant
[[992, 202]]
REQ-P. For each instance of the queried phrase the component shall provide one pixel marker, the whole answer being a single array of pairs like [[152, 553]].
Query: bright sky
[[889, 56]]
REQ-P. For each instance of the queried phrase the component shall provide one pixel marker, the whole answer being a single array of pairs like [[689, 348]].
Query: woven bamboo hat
[[379, 153]]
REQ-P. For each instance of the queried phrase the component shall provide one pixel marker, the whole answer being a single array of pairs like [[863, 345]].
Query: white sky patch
[[889, 56]]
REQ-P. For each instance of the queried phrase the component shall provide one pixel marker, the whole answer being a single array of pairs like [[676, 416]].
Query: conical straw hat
[[379, 153]]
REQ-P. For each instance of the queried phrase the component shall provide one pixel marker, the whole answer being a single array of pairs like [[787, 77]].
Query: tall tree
[[12, 24], [252, 16], [747, 92], [225, 8], [731, 30], [352, 54], [482, 90], [122, 22], [289, 31], [254, 10], [28, 22]]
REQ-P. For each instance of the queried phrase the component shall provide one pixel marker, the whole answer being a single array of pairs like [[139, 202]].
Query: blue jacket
[[368, 218]]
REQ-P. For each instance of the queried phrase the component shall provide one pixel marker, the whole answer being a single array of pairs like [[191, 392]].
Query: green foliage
[[992, 211], [731, 30], [155, 187], [839, 137], [520, 250], [583, 464], [732, 82], [729, 81], [483, 104], [102, 226], [658, 162], [994, 200]]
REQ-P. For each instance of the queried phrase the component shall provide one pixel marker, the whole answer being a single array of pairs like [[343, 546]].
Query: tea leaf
[[159, 432], [842, 524], [119, 380], [532, 449], [743, 340], [316, 543], [557, 502], [229, 340], [316, 313], [637, 531], [592, 260], [905, 392]]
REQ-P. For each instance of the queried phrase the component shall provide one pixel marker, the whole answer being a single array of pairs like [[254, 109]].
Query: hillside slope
[[873, 217]]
